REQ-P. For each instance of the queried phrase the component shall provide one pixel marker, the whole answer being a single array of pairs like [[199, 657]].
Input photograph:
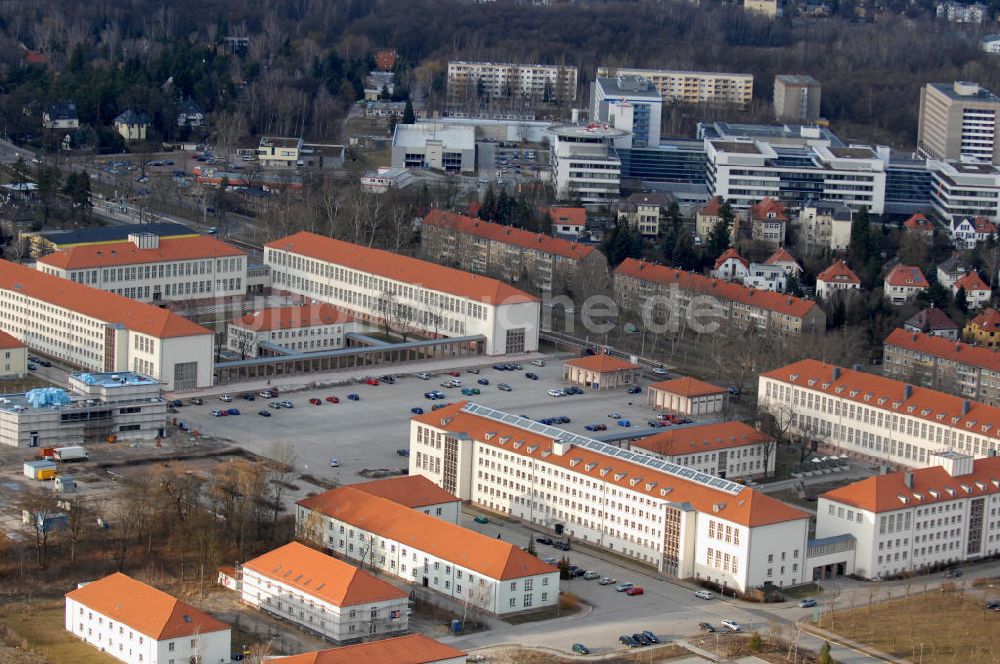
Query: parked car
[[473, 370], [423, 375], [622, 587], [500, 367], [580, 649], [550, 561], [483, 381], [704, 594], [605, 581], [438, 406], [267, 394], [286, 404], [225, 397], [218, 413], [335, 463], [333, 399], [615, 416], [624, 423], [561, 546], [993, 604], [479, 518], [628, 641], [504, 387], [590, 575], [531, 376], [197, 401], [247, 396], [660, 371], [636, 590], [316, 402], [573, 389], [233, 411], [538, 363], [353, 397], [635, 389], [403, 452], [417, 411], [372, 381], [732, 625], [454, 373], [274, 404], [470, 391], [807, 603], [953, 574], [706, 627], [642, 638], [45, 363], [388, 380], [649, 635], [544, 540], [264, 413], [516, 366], [555, 393]]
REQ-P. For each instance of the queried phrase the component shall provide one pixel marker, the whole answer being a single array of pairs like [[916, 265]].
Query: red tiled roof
[[602, 363], [983, 225], [410, 490], [285, 318], [401, 268], [687, 387], [321, 576], [703, 438], [95, 303], [988, 320], [568, 215], [919, 222], [126, 253], [906, 275], [410, 649], [711, 209], [838, 273], [971, 281], [508, 234], [769, 300], [485, 555], [35, 58], [768, 206], [8, 341], [144, 608], [730, 253], [931, 486], [781, 255], [956, 351], [748, 508]]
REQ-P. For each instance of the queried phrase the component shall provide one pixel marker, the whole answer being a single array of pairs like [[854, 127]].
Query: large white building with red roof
[[149, 268], [945, 364], [308, 328], [101, 331], [409, 649], [728, 450], [136, 623], [680, 521], [410, 295]]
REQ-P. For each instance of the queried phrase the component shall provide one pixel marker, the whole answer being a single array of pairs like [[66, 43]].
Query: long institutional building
[[466, 80], [888, 420], [680, 521], [102, 332], [693, 87], [422, 296], [943, 364]]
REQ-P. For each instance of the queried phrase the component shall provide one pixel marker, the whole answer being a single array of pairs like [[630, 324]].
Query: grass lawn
[[800, 592], [945, 627], [41, 624], [17, 385]]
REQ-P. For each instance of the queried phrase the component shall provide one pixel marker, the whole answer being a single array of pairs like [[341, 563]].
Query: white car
[[555, 393], [226, 398], [538, 363], [423, 375], [660, 371], [335, 463], [704, 594], [731, 625]]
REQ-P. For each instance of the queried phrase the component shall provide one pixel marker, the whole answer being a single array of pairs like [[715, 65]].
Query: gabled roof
[[955, 264], [95, 303], [687, 387], [971, 281], [576, 216], [601, 363], [8, 341], [768, 206], [711, 209], [838, 273], [127, 253], [414, 529], [322, 576], [984, 225], [919, 222], [410, 649], [781, 256], [728, 254], [955, 351], [768, 300], [410, 490], [61, 110], [286, 318], [988, 320], [143, 608], [704, 438], [402, 268], [906, 275], [130, 117], [632, 203], [509, 235], [931, 319], [931, 486]]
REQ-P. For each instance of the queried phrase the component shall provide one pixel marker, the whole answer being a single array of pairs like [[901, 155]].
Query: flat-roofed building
[[443, 147], [959, 120], [100, 331], [427, 298], [601, 372], [796, 98], [943, 364], [298, 329], [585, 163], [962, 191], [471, 81], [728, 450], [631, 103], [149, 268], [684, 523], [691, 86], [410, 649], [324, 595], [687, 396], [45, 242]]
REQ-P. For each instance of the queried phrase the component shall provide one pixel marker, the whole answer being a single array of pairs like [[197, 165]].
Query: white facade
[[585, 164], [966, 233], [631, 103], [964, 190], [826, 225], [444, 147], [692, 86], [384, 179], [306, 329], [318, 268], [467, 79], [990, 44]]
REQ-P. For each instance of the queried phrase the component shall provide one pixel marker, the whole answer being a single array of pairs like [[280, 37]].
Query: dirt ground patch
[[41, 626], [937, 627], [652, 655]]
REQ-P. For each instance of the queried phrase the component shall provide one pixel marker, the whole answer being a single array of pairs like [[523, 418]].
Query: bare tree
[[79, 518], [39, 507], [386, 306], [282, 465]]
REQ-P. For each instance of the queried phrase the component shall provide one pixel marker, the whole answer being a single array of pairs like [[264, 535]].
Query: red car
[[372, 381], [333, 399], [454, 373], [316, 402], [635, 590]]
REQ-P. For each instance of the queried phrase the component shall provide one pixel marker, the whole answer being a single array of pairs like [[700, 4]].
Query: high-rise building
[[959, 120], [796, 98], [631, 103], [585, 163]]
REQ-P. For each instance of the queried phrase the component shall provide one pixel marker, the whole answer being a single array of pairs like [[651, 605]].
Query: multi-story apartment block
[[149, 268], [836, 278], [540, 262], [890, 421], [729, 450], [631, 103], [138, 624], [409, 649], [961, 190], [636, 282], [694, 87], [680, 521], [585, 163], [323, 595], [539, 83], [919, 520], [467, 566], [904, 283], [643, 212], [796, 98], [826, 225], [302, 329], [375, 285], [946, 365], [959, 120], [984, 329], [101, 331]]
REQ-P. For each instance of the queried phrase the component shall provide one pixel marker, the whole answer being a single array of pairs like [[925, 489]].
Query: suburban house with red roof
[[919, 520], [409, 649], [904, 283], [687, 396], [977, 293], [768, 221], [601, 372], [149, 268], [730, 266], [966, 232], [324, 595], [407, 294], [944, 364], [952, 269], [307, 328], [984, 329], [13, 355], [136, 623], [919, 225], [635, 282], [836, 278], [771, 275], [707, 217], [680, 521], [728, 450], [468, 566], [570, 221], [934, 322], [517, 256], [100, 331]]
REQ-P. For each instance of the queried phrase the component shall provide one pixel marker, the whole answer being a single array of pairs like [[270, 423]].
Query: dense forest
[[305, 60]]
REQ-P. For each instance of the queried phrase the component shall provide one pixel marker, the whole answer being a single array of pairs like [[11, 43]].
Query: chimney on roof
[[907, 391], [908, 479], [966, 405], [836, 373]]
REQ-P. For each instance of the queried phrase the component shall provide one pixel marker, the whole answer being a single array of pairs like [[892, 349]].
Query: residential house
[[768, 220], [730, 450], [920, 226], [950, 366], [570, 221], [984, 329], [643, 212], [132, 125], [952, 269], [13, 356], [933, 322], [189, 114], [771, 275], [966, 232], [977, 293], [990, 44], [730, 266], [378, 83], [687, 396], [707, 217], [279, 152], [768, 8], [826, 225], [904, 283], [836, 278], [601, 372], [409, 649], [60, 115], [385, 59]]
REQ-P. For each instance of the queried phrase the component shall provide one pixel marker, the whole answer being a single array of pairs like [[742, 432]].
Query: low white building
[[967, 232], [417, 493], [413, 295], [138, 624], [308, 328], [467, 566], [990, 44], [435, 145], [410, 649], [728, 450], [677, 520], [324, 595], [382, 180], [920, 520]]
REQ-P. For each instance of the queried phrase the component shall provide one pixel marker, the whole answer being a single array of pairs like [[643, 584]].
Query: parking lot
[[365, 434]]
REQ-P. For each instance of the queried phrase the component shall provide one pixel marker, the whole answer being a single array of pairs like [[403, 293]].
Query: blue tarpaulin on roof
[[47, 396]]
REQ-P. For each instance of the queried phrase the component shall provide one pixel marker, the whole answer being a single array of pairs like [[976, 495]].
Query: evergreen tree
[[408, 115], [794, 286], [618, 243], [962, 300], [863, 246], [824, 654], [684, 255], [488, 210], [47, 180], [718, 239]]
